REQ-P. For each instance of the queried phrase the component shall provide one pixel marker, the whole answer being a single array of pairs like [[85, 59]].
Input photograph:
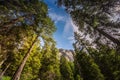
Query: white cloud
[[70, 25], [69, 29], [56, 17], [71, 39]]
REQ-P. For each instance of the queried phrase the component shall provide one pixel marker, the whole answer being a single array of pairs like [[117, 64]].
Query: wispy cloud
[[70, 26], [69, 29], [56, 17], [71, 39]]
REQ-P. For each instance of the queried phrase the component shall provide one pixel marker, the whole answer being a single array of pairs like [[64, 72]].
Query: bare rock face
[[68, 54]]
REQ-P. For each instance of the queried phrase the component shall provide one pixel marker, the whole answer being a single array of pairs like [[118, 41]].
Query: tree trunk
[[3, 60], [18, 72], [77, 63], [1, 74], [114, 40]]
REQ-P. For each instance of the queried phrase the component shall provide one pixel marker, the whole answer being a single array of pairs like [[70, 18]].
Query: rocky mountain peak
[[68, 54]]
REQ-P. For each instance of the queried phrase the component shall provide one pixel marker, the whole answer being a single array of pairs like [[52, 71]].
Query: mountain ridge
[[68, 54]]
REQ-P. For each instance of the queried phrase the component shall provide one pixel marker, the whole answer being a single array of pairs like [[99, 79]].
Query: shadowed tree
[[16, 17], [104, 61], [108, 62], [95, 19], [50, 63], [66, 69]]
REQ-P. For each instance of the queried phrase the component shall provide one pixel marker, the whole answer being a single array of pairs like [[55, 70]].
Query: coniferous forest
[[24, 24]]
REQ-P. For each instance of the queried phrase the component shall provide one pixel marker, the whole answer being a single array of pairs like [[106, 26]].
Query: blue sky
[[65, 27]]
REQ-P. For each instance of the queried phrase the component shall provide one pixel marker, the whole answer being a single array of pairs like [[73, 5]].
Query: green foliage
[[94, 18], [89, 69], [66, 69], [101, 63], [108, 61], [49, 69], [6, 78], [78, 77], [32, 66], [20, 22]]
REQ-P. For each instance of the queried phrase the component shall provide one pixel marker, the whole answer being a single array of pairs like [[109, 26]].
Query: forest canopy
[[24, 24]]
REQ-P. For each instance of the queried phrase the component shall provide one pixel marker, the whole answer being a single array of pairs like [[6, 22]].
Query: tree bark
[[114, 40], [3, 60], [1, 74], [18, 72]]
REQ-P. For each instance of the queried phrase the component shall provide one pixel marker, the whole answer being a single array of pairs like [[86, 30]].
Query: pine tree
[[49, 63], [20, 18], [30, 70], [66, 69], [89, 69], [108, 61], [95, 19], [16, 17], [18, 72]]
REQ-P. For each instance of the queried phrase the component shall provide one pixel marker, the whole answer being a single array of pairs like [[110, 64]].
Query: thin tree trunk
[[13, 21], [76, 62], [18, 72], [114, 40], [0, 48], [3, 60], [1, 74]]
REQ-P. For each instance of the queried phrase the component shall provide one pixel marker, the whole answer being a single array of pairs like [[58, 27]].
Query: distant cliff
[[68, 54]]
